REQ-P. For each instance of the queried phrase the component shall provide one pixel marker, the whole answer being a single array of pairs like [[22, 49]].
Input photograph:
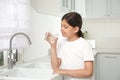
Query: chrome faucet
[[10, 55]]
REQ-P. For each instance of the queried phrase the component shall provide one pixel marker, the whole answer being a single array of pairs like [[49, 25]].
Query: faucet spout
[[10, 55]]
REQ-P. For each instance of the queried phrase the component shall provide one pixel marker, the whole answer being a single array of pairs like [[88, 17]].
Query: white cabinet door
[[80, 7], [107, 66], [97, 8], [52, 7], [103, 8], [114, 8]]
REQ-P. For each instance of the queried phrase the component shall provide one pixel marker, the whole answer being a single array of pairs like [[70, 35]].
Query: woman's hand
[[52, 40]]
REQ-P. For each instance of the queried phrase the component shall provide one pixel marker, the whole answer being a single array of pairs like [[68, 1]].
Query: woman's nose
[[62, 28]]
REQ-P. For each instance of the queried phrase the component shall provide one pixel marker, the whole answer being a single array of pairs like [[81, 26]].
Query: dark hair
[[74, 19]]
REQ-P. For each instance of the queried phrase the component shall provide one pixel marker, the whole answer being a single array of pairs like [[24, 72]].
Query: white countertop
[[107, 50]]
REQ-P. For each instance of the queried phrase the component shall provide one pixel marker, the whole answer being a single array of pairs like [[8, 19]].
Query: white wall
[[40, 23], [104, 31]]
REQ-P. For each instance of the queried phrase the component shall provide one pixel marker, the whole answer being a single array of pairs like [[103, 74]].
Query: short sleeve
[[88, 53]]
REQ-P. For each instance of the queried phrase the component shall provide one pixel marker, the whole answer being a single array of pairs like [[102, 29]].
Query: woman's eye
[[65, 27]]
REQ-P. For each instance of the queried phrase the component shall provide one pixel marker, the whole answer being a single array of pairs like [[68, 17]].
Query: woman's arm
[[52, 40], [79, 73], [55, 61]]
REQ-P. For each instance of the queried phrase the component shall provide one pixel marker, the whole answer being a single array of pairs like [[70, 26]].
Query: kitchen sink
[[38, 66], [31, 74]]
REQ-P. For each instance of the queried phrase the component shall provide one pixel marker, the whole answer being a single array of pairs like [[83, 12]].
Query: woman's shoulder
[[83, 41]]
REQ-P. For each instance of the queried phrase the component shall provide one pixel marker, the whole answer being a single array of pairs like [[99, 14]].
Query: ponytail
[[80, 34]]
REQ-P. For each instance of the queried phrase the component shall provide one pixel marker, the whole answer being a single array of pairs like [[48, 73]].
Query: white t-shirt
[[73, 54]]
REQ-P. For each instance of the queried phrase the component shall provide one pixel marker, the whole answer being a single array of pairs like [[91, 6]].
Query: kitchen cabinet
[[107, 66], [68, 5], [103, 8], [53, 7], [87, 8], [114, 9], [81, 7]]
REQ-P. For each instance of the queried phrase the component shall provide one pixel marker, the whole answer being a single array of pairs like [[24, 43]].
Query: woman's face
[[67, 30]]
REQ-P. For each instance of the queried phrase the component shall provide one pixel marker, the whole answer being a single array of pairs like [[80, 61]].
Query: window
[[14, 17]]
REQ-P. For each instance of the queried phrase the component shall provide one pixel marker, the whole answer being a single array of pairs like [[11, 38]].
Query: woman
[[71, 56]]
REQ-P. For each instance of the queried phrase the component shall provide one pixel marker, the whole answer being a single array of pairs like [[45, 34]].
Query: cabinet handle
[[110, 57], [63, 3]]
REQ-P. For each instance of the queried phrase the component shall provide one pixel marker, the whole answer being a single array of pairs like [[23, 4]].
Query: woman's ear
[[76, 29]]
